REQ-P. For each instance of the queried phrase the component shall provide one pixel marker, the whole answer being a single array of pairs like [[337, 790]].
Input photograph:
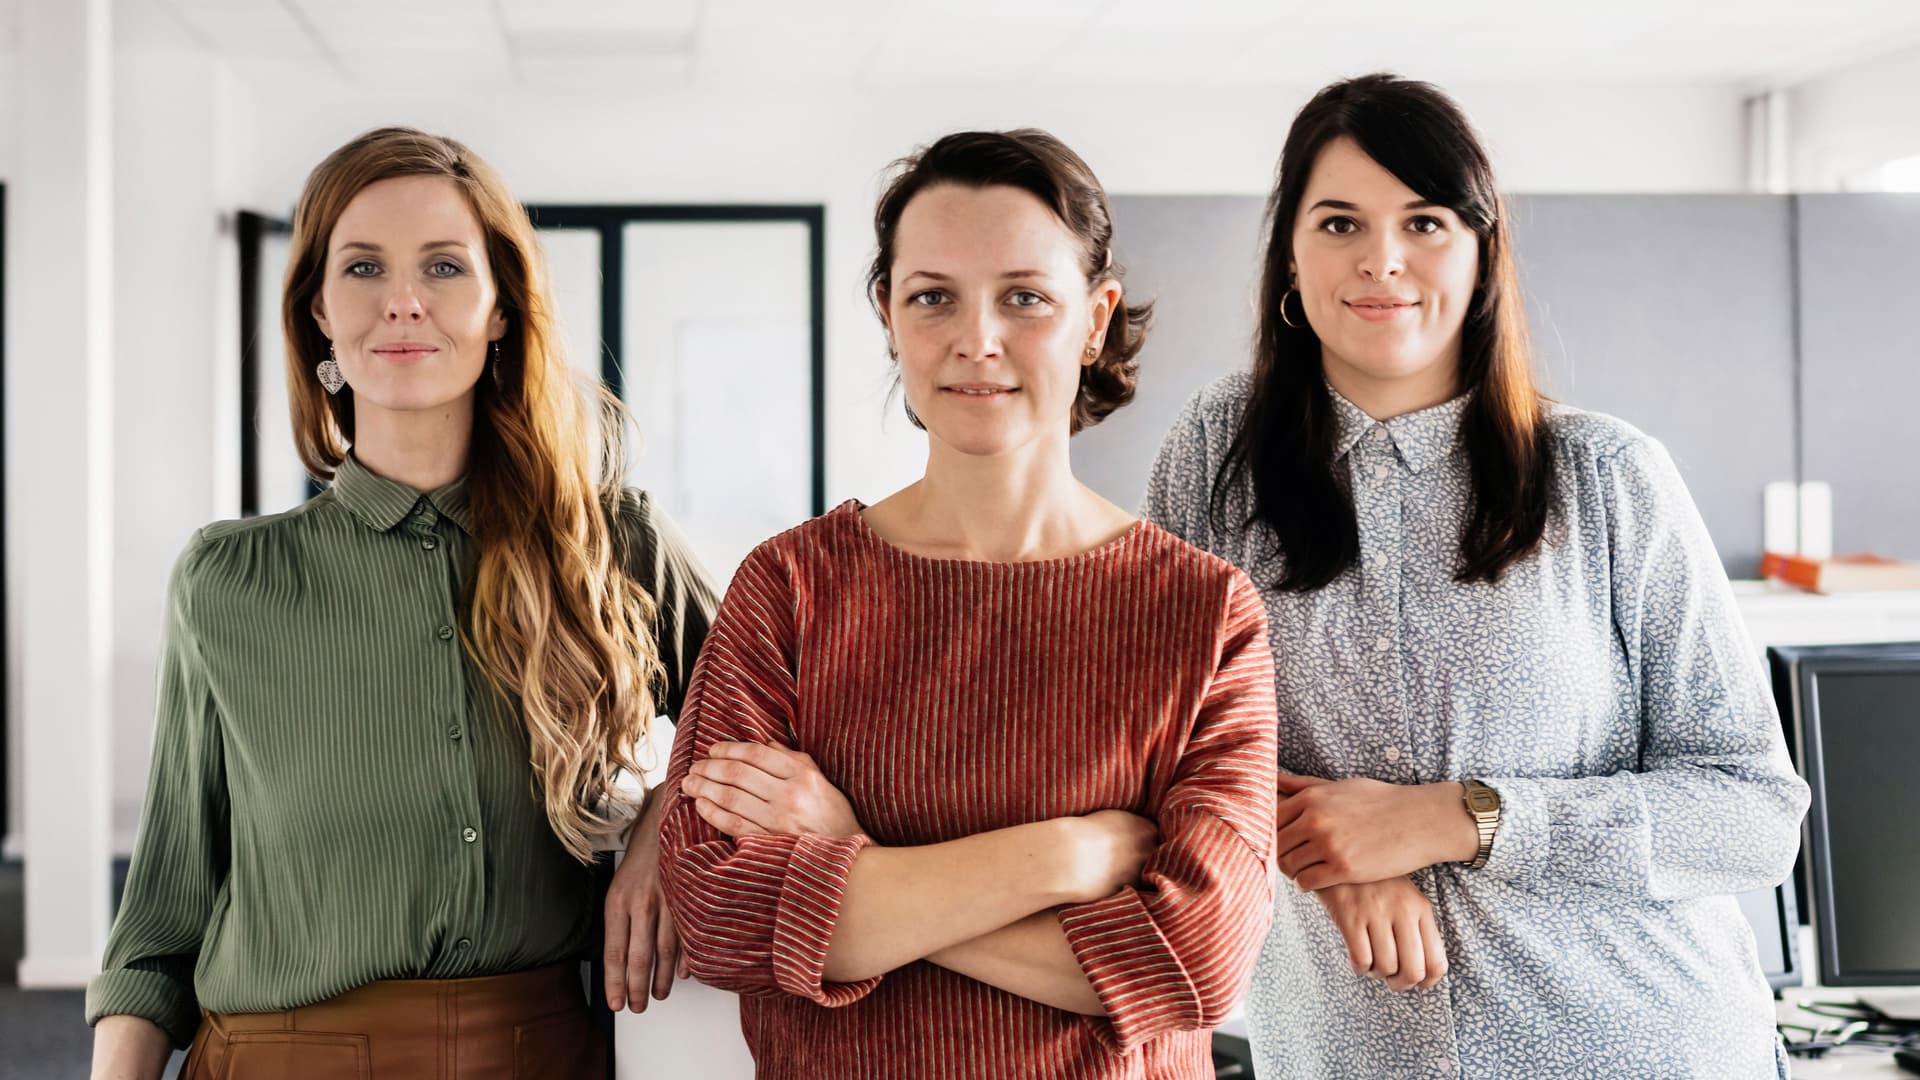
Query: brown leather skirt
[[531, 1025]]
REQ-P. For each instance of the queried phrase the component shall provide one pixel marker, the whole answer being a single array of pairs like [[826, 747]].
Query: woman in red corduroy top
[[1047, 727]]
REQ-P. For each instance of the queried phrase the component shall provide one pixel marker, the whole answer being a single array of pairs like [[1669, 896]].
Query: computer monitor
[[1855, 714], [1776, 933]]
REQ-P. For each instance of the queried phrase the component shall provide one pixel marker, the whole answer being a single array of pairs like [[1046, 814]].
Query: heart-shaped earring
[[329, 372]]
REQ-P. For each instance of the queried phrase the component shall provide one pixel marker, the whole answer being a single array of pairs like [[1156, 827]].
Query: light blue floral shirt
[[1605, 687]]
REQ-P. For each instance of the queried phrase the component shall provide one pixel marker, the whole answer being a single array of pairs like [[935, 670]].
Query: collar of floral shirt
[[1422, 437]]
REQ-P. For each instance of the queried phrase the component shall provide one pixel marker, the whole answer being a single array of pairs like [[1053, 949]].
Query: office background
[[1709, 216]]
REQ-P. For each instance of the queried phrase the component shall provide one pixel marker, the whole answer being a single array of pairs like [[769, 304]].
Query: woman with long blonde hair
[[393, 720]]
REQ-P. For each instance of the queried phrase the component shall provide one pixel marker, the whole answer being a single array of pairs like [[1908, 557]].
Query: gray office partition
[[1197, 258], [1674, 313], [1860, 365]]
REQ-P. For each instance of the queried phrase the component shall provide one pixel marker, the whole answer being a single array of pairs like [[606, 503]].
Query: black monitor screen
[[1858, 713], [1870, 759]]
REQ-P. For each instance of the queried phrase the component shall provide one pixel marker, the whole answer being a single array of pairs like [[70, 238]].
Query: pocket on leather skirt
[[282, 1055], [563, 1046]]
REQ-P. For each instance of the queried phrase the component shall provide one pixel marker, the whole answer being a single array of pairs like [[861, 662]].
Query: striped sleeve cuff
[[808, 908], [1131, 965], [149, 995]]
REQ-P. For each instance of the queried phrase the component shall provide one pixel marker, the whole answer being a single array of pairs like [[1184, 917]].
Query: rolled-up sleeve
[[1714, 806], [1175, 952], [180, 857], [755, 914]]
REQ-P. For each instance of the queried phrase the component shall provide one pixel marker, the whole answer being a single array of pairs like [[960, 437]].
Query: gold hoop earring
[[1283, 309]]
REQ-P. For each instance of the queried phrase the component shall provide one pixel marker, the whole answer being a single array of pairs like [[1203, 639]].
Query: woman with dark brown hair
[[393, 721], [1052, 723], [1532, 754]]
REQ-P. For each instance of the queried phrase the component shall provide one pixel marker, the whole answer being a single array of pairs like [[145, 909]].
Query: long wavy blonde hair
[[554, 621]]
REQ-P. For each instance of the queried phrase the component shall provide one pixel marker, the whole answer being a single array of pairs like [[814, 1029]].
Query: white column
[[60, 478], [1769, 134]]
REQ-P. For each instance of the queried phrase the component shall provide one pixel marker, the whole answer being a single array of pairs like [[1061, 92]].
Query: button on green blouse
[[337, 796]]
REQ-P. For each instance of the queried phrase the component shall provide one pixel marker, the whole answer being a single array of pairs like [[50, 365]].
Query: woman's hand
[[642, 947], [1390, 930], [1340, 832], [1103, 853], [748, 789]]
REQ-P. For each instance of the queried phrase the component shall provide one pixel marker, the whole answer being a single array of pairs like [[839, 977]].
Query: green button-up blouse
[[337, 795]]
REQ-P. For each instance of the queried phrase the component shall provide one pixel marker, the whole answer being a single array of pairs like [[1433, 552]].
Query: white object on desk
[[1816, 520], [1780, 528]]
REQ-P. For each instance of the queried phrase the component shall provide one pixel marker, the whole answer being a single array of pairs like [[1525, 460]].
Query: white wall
[[195, 144], [9, 171], [167, 264], [1848, 122], [176, 366]]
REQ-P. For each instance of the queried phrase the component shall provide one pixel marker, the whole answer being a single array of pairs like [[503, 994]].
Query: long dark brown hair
[[1284, 445], [555, 622]]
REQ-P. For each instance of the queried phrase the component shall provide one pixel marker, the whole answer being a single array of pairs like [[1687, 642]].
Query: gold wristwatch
[[1483, 805]]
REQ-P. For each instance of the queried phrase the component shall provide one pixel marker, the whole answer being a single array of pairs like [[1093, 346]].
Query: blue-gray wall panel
[[1860, 374], [1674, 313]]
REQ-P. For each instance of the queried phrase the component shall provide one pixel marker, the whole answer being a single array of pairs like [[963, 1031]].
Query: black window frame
[[251, 231], [610, 220]]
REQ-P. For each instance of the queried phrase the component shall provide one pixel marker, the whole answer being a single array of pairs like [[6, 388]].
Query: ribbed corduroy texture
[[948, 698], [336, 795]]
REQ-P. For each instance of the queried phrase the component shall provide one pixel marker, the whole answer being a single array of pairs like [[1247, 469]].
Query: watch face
[[1483, 800]]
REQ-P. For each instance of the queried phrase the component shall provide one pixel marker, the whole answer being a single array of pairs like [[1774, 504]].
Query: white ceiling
[[600, 44]]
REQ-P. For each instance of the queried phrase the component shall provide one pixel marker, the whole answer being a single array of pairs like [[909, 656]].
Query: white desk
[[1848, 1063], [1777, 614], [1843, 1063]]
